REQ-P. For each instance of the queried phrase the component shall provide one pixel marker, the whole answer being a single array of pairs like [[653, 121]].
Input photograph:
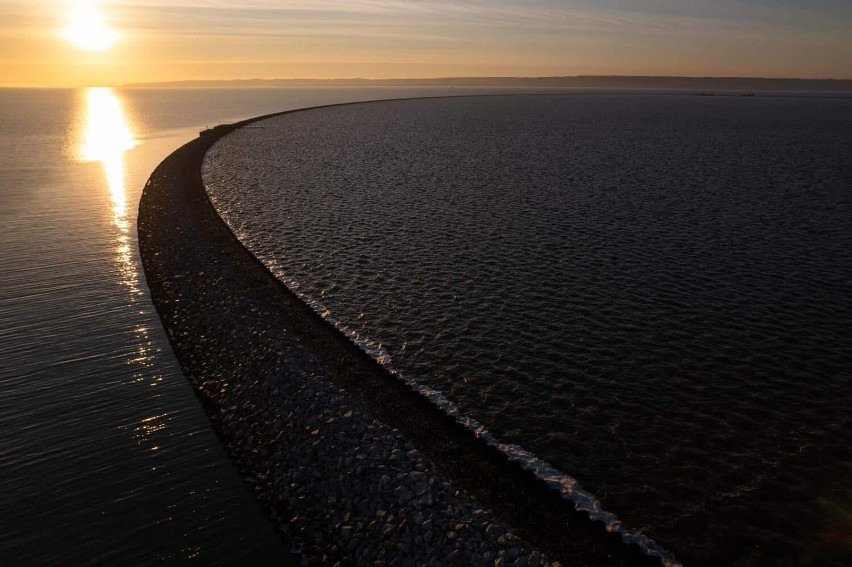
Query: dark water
[[650, 292], [105, 455]]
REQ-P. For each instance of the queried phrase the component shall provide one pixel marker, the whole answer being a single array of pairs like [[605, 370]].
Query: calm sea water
[[651, 292], [105, 455]]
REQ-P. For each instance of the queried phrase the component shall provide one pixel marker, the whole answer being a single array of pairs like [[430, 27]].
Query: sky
[[165, 40]]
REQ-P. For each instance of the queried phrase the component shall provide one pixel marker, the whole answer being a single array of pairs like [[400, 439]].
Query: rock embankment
[[349, 465]]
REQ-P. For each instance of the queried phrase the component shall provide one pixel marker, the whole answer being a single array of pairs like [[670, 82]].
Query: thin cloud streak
[[213, 20]]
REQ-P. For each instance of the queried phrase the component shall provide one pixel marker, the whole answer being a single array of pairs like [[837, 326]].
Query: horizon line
[[468, 81]]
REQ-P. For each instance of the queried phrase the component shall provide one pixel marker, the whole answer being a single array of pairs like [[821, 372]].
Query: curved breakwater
[[250, 349], [645, 291], [564, 484]]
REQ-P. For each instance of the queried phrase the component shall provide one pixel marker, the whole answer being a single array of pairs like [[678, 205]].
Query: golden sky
[[163, 40]]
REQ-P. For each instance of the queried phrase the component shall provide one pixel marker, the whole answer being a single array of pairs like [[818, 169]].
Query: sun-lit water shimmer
[[106, 455], [650, 292]]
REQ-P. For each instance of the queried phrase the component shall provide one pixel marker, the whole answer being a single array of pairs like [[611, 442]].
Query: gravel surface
[[339, 484]]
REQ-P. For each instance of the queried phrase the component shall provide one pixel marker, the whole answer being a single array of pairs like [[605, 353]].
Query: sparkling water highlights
[[106, 454]]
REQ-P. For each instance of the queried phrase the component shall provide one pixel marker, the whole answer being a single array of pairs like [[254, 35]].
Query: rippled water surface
[[105, 455], [651, 292]]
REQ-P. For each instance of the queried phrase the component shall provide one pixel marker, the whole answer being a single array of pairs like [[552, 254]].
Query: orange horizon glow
[[62, 43]]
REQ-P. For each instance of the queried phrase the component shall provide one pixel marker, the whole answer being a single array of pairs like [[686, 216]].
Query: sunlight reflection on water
[[105, 135]]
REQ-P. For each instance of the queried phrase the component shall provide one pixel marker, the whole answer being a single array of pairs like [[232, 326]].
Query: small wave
[[374, 349]]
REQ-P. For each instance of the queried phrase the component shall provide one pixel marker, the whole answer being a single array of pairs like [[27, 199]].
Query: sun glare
[[88, 31], [105, 139]]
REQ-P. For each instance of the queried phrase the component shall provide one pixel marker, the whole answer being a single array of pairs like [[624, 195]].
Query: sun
[[88, 31]]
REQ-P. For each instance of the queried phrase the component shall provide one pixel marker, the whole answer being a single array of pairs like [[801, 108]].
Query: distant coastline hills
[[582, 81]]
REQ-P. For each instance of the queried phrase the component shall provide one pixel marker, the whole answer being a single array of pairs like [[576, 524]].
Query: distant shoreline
[[582, 81]]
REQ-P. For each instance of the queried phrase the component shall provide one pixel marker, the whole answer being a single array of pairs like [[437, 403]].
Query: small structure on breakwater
[[219, 130]]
